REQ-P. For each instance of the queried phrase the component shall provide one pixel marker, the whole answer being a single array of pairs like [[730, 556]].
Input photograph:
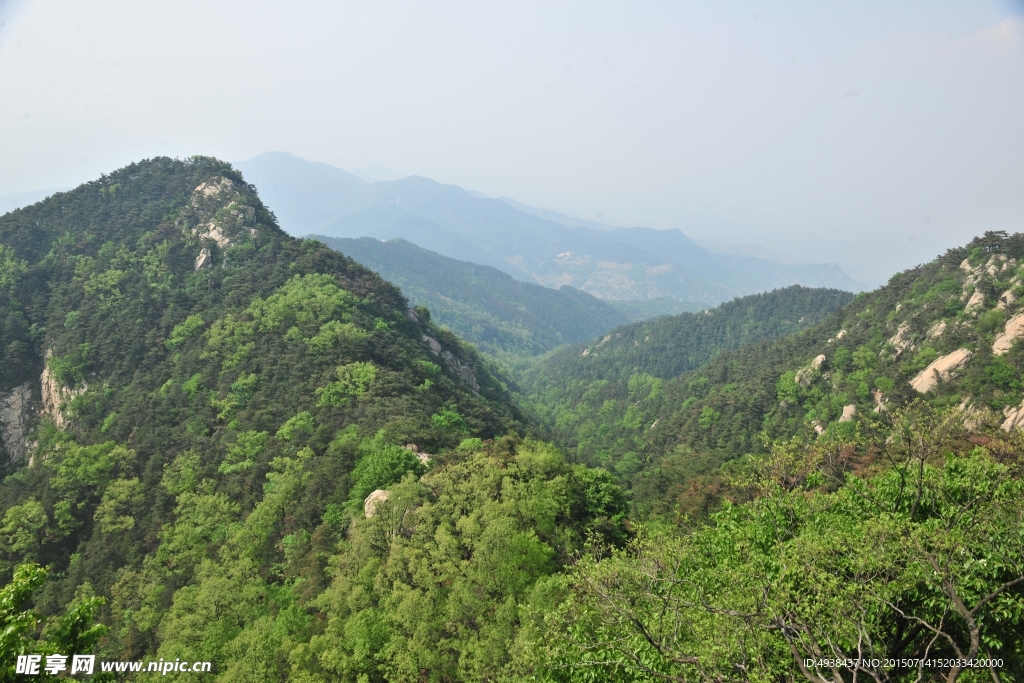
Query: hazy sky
[[873, 134]]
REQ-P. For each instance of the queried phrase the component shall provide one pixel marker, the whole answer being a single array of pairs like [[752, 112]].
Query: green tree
[[21, 630]]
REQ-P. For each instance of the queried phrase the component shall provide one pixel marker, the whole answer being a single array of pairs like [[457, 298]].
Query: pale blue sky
[[872, 134]]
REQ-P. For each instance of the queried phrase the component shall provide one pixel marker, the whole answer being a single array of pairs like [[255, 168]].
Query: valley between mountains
[[394, 452]]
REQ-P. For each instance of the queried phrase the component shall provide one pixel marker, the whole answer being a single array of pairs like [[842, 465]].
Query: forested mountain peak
[[161, 310], [99, 281]]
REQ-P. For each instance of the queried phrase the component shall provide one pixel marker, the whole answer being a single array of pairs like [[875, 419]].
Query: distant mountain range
[[531, 245]]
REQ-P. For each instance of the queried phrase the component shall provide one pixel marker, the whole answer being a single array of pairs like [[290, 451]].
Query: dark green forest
[[224, 444]]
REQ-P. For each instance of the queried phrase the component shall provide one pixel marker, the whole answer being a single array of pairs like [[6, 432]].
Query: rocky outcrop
[[939, 370], [880, 404], [848, 413], [936, 330], [975, 303], [424, 458], [215, 212], [804, 376], [902, 340], [1014, 417], [204, 260], [55, 396], [1012, 331], [14, 418], [998, 265], [1006, 299], [458, 368], [372, 501], [839, 335]]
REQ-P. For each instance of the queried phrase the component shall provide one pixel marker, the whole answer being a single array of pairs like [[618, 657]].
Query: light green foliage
[[708, 417], [69, 370], [22, 531], [242, 454], [121, 502], [81, 473], [296, 429], [73, 632], [306, 301], [353, 381], [307, 308], [185, 330], [923, 358], [380, 465], [430, 369], [884, 384], [337, 337], [105, 286], [640, 384], [791, 576], [434, 586], [864, 358], [108, 422], [1002, 374], [242, 390], [192, 384], [787, 389], [449, 420], [17, 623]]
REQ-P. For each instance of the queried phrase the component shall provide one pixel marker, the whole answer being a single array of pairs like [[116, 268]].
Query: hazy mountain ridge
[[482, 304], [624, 263]]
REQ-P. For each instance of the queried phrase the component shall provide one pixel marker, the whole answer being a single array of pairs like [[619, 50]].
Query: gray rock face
[[1012, 331], [14, 417], [204, 259], [56, 396], [464, 372], [939, 370], [902, 340], [372, 501]]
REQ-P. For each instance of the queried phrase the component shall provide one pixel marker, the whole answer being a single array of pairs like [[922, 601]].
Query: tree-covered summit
[[171, 356]]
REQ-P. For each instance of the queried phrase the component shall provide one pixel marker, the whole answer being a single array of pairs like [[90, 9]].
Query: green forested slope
[[675, 429], [670, 346], [482, 304], [204, 402]]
